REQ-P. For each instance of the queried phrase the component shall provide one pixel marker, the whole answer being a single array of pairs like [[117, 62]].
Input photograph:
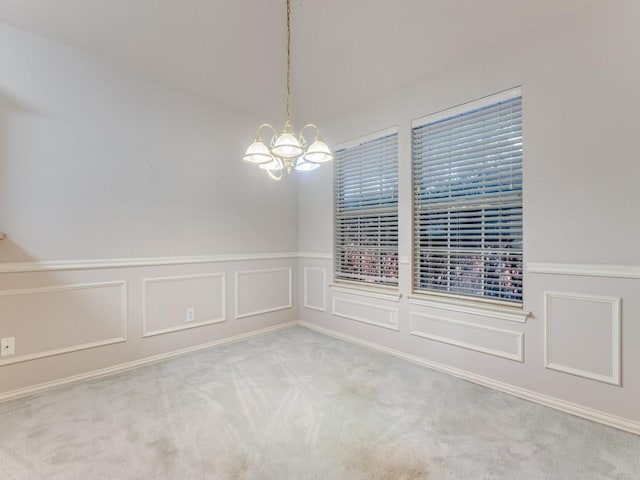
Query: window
[[467, 186], [366, 211]]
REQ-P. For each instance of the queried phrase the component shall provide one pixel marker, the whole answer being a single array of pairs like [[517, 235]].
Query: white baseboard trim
[[123, 367], [546, 400]]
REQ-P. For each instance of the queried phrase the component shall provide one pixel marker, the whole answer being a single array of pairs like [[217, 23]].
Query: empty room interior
[[319, 239]]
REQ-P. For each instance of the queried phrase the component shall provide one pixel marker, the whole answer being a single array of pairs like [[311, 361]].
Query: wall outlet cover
[[8, 346]]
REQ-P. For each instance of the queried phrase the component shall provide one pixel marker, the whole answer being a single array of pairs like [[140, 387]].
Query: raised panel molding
[[391, 314], [473, 307], [517, 337], [145, 303], [275, 308], [387, 294], [80, 346], [614, 320], [307, 304]]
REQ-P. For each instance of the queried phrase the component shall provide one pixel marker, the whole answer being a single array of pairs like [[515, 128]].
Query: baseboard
[[546, 400], [123, 367]]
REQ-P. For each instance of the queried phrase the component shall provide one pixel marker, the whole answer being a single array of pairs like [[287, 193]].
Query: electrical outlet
[[393, 318], [8, 346], [190, 315]]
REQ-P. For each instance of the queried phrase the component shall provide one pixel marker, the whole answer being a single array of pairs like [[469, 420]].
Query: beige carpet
[[299, 405]]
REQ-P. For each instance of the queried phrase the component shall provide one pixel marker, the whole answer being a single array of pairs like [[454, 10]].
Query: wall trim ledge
[[546, 400], [57, 265], [585, 269], [315, 255], [123, 367]]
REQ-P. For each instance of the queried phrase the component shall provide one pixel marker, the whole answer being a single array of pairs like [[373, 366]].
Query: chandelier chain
[[288, 150], [288, 58]]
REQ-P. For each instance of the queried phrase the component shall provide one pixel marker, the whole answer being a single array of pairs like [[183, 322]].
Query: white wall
[[99, 163], [579, 82]]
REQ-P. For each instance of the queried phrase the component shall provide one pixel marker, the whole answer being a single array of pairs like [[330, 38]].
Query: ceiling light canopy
[[288, 150]]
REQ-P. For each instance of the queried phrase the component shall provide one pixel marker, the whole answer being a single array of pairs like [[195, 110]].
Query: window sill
[[513, 314], [391, 295]]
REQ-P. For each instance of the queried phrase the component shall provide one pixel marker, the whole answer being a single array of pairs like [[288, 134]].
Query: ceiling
[[233, 51]]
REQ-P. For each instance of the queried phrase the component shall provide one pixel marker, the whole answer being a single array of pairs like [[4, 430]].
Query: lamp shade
[[304, 166], [273, 165], [257, 153], [287, 146], [318, 152]]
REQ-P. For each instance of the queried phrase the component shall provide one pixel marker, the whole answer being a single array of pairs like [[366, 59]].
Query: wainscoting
[[62, 319], [575, 346], [263, 291], [79, 319], [480, 338], [583, 335], [366, 312], [165, 301]]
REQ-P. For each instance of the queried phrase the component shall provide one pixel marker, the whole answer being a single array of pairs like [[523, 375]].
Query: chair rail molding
[[585, 269], [94, 264]]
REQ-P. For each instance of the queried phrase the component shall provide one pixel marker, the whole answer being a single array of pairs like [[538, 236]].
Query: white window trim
[[373, 291], [391, 293], [466, 107], [468, 304], [354, 142]]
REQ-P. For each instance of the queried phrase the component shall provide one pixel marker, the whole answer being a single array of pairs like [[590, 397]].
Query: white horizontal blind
[[366, 212], [467, 185]]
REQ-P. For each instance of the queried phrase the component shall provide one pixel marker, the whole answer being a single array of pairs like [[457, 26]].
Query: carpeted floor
[[299, 405]]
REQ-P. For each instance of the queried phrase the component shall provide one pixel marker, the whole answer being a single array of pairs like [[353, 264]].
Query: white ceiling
[[233, 51]]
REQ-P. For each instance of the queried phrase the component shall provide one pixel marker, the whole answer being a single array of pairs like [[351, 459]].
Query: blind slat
[[467, 183], [366, 212]]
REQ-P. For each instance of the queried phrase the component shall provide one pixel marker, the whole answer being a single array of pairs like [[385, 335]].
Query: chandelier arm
[[275, 177], [284, 151], [310, 125], [280, 170], [265, 125]]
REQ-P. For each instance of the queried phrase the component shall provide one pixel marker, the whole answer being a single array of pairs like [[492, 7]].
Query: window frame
[[468, 300], [362, 287]]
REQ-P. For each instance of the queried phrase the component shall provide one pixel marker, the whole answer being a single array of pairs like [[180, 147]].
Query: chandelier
[[287, 151]]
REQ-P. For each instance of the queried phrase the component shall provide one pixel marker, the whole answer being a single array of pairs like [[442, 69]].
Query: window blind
[[467, 186], [366, 211]]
